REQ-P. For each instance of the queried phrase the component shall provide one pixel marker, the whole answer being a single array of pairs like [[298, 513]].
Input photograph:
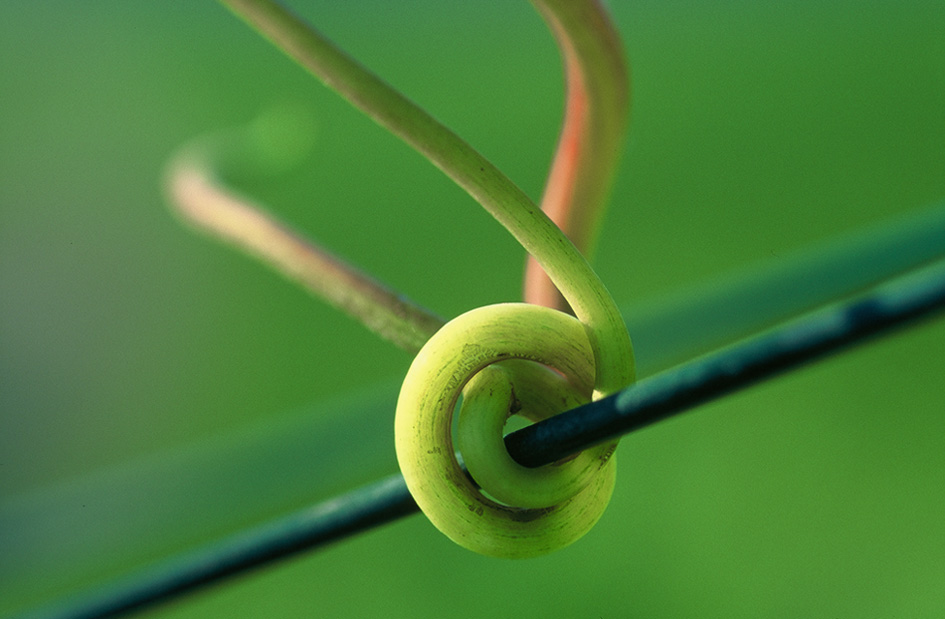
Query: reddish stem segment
[[596, 107], [205, 202]]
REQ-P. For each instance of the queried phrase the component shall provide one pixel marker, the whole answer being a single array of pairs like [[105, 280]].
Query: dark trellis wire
[[829, 330], [893, 304]]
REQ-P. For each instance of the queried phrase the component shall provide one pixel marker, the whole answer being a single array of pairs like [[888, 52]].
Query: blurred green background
[[757, 128]]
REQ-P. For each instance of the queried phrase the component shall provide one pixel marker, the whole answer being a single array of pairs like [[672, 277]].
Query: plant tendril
[[537, 361]]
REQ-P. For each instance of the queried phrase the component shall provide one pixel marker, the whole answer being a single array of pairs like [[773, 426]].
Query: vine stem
[[564, 264], [205, 201], [595, 121]]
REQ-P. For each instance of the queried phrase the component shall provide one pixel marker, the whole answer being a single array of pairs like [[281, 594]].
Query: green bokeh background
[[757, 128]]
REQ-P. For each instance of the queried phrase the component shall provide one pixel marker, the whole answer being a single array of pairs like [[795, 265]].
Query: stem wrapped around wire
[[532, 511], [535, 511]]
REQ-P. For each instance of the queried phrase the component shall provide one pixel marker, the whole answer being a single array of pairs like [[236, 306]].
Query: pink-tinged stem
[[206, 203], [595, 118]]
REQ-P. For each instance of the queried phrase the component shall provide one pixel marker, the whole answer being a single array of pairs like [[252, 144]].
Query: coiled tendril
[[561, 360], [532, 511]]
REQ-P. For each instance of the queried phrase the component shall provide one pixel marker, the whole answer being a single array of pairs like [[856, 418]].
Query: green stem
[[595, 119], [505, 201]]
